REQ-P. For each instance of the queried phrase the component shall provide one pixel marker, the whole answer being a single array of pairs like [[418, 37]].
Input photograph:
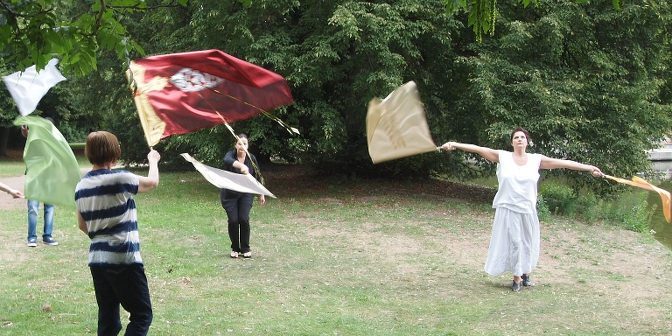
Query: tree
[[590, 83], [482, 14], [78, 33]]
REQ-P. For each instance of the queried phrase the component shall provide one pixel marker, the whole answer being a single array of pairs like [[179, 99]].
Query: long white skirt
[[514, 245]]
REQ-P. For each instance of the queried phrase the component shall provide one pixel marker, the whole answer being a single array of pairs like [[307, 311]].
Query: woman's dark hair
[[520, 129], [239, 136]]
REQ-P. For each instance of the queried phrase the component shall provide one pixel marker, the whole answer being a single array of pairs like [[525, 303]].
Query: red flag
[[184, 92]]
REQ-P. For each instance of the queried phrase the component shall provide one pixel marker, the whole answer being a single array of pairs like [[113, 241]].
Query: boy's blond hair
[[102, 147]]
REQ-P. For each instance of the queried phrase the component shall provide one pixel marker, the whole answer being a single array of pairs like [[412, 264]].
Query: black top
[[231, 157]]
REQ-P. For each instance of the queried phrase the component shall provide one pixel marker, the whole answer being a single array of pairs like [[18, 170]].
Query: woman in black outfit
[[237, 204]]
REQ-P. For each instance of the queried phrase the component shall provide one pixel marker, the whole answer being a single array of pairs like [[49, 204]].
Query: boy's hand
[[153, 156]]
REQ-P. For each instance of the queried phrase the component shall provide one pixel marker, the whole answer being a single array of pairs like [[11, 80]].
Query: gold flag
[[396, 126]]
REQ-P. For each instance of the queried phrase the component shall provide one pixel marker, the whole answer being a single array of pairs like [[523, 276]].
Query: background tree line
[[591, 82]]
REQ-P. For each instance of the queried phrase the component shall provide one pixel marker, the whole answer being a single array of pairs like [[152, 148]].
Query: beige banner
[[396, 126]]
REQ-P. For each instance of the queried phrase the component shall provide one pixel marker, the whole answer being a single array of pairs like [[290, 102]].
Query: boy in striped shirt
[[106, 212]]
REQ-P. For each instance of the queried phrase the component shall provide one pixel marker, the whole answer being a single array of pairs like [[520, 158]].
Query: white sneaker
[[234, 254], [247, 254]]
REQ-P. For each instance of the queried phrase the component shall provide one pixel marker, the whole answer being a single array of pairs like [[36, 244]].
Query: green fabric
[[52, 171]]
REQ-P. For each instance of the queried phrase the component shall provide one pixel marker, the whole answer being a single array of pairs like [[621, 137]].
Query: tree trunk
[[4, 137]]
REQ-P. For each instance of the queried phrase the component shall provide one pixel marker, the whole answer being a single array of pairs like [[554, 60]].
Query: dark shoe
[[49, 241], [527, 280], [516, 286], [32, 242]]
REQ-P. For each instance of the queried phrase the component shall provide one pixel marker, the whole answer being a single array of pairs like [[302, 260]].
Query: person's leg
[[48, 225], [134, 296], [33, 207], [531, 243], [244, 207], [230, 205], [109, 321]]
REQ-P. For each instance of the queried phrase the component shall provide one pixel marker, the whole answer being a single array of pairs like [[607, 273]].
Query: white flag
[[29, 86], [396, 126], [228, 180]]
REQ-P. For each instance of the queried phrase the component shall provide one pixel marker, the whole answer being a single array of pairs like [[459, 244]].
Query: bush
[[558, 198], [542, 208]]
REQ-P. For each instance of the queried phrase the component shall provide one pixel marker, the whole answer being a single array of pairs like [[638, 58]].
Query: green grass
[[11, 168], [340, 257]]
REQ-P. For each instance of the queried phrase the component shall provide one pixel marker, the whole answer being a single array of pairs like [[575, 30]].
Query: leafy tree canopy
[[77, 32]]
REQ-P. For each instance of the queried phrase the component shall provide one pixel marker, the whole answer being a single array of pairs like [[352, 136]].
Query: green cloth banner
[[52, 172]]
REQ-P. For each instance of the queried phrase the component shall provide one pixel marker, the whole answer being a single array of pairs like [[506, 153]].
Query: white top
[[517, 184]]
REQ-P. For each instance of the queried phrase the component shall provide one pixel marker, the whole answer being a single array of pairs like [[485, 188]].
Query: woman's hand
[[448, 146], [596, 172], [262, 199]]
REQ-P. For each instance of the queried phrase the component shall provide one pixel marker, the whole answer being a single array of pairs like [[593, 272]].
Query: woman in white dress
[[514, 245]]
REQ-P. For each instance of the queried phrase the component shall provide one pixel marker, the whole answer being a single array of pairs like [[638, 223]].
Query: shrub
[[559, 198]]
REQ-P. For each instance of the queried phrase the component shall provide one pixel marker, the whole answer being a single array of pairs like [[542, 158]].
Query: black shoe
[[527, 280], [516, 286]]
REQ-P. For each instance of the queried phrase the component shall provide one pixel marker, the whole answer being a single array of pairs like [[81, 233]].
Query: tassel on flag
[[28, 87]]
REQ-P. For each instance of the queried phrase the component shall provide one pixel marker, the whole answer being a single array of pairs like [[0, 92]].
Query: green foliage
[[76, 32], [592, 84], [543, 210], [585, 82], [558, 198], [630, 209], [482, 14]]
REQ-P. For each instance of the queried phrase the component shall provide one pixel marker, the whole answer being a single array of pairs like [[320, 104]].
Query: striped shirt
[[105, 200]]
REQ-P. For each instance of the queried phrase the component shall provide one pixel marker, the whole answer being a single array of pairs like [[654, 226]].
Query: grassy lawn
[[341, 257]]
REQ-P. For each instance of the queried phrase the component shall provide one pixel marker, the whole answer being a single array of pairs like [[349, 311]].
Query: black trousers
[[238, 206], [125, 286]]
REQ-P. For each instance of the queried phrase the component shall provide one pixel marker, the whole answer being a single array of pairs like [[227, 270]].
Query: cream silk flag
[[228, 180], [29, 86], [642, 183], [396, 126]]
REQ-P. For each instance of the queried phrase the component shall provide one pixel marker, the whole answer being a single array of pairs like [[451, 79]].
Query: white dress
[[514, 245]]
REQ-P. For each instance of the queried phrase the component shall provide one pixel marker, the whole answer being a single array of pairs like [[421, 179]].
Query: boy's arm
[[82, 223], [152, 180]]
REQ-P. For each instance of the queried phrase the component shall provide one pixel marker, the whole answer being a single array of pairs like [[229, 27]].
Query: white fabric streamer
[[29, 86], [228, 180]]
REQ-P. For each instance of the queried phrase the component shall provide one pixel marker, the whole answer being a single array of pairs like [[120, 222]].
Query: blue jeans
[[33, 207]]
